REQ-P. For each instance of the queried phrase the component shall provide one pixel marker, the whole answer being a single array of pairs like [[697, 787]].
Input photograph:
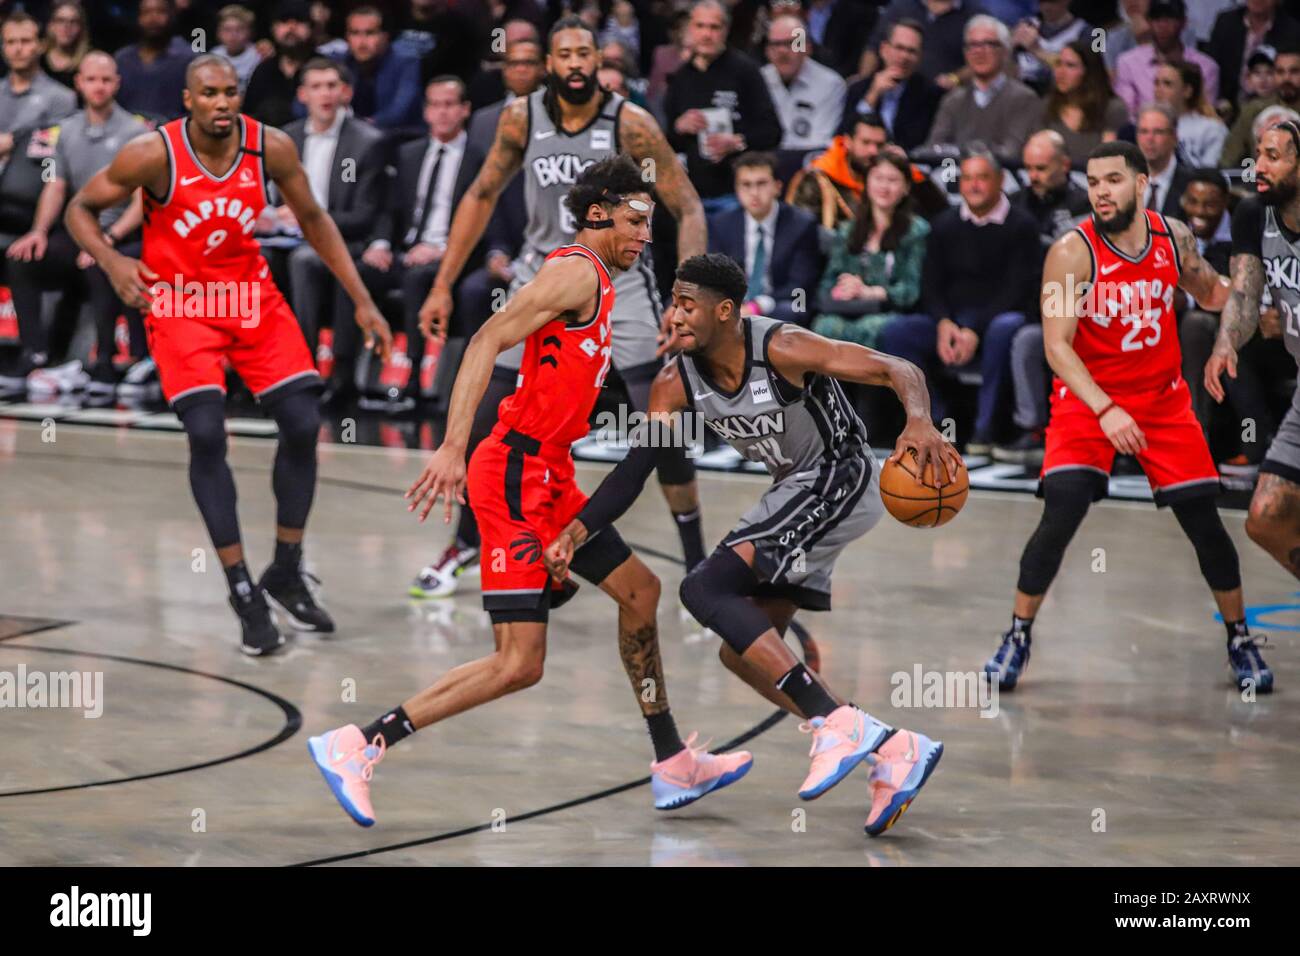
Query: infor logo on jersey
[[564, 168], [760, 391]]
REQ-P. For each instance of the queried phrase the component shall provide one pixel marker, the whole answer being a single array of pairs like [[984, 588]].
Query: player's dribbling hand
[[929, 446], [1122, 431], [557, 556], [1222, 359], [435, 312], [375, 327], [131, 280], [443, 476]]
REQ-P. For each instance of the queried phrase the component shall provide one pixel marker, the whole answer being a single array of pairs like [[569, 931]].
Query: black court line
[[763, 726], [292, 716]]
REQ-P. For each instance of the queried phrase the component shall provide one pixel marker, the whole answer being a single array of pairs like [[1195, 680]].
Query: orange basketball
[[923, 505]]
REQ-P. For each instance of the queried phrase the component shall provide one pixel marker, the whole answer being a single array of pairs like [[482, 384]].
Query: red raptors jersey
[[1127, 334], [564, 368], [202, 229]]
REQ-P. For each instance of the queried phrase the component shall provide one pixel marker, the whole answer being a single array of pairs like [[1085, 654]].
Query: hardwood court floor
[[1126, 719]]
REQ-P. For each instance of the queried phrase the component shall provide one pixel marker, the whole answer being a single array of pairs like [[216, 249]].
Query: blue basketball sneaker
[[1247, 666], [1010, 660]]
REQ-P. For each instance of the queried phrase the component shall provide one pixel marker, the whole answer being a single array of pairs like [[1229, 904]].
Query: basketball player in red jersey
[[208, 296], [1111, 337], [521, 480]]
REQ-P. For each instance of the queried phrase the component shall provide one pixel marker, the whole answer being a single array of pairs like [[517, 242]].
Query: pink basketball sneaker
[[347, 762], [841, 741], [900, 769], [692, 772]]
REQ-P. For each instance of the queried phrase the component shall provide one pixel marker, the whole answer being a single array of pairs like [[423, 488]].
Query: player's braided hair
[[716, 272], [606, 182]]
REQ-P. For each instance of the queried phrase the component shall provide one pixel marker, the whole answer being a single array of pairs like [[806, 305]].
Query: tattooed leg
[[1274, 520], [636, 589]]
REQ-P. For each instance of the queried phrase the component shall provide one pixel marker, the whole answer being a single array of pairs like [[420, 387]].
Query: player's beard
[[576, 97], [1280, 193], [1122, 219]]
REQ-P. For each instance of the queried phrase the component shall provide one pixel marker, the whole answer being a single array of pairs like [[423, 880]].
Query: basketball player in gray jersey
[[553, 135], [1266, 252], [770, 390]]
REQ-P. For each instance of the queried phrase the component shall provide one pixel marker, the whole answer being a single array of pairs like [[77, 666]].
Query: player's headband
[[613, 199]]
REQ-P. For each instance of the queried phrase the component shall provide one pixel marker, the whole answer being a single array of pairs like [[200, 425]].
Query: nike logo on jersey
[[700, 396], [1107, 270], [605, 290], [544, 134], [191, 179]]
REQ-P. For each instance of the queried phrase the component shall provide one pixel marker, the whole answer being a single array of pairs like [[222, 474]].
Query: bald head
[[212, 94], [212, 66], [1047, 164], [97, 79]]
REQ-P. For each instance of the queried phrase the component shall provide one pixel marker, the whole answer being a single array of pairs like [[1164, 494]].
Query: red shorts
[[523, 494], [1177, 459], [268, 351]]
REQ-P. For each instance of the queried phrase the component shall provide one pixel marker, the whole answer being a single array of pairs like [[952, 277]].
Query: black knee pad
[[1215, 552], [1067, 495], [205, 427], [717, 593], [298, 417], [673, 467]]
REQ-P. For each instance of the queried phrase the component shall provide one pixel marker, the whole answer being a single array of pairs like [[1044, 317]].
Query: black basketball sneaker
[[260, 635], [286, 589]]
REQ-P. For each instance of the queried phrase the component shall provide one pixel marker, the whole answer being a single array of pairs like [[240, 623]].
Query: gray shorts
[[1283, 457], [800, 526], [636, 313]]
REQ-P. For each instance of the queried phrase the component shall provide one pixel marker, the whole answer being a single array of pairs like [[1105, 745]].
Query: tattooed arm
[[1239, 320], [640, 136], [1207, 287], [467, 226]]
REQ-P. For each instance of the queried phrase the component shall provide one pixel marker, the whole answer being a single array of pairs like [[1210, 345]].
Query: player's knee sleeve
[[1215, 552], [717, 595], [294, 475], [210, 479], [1066, 499], [673, 467]]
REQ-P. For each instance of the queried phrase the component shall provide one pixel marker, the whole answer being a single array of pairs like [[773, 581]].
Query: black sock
[[692, 535], [287, 555], [393, 726], [240, 582], [807, 694], [663, 734], [1022, 626], [1236, 629]]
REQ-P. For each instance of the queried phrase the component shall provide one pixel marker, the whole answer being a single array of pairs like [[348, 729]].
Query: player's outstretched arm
[[318, 229], [141, 162], [1198, 277], [1238, 322], [611, 499], [475, 209], [565, 285], [1067, 276], [796, 353], [642, 138]]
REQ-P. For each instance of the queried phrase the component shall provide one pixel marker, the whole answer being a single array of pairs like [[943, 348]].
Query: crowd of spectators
[[888, 172]]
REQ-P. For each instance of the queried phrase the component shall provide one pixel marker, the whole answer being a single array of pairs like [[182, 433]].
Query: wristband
[[1105, 410]]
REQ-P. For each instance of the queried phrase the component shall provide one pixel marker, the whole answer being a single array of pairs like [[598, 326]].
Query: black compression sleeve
[[1248, 228], [622, 485]]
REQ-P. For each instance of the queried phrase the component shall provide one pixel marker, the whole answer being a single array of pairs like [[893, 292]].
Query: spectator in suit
[[1241, 144], [68, 42], [1201, 134], [808, 96], [1135, 71], [874, 273], [943, 59], [992, 108], [153, 70], [272, 94], [896, 92], [776, 243], [523, 70], [410, 236], [386, 84], [1080, 104], [717, 105], [488, 84], [235, 31], [1239, 32], [980, 281], [344, 159], [28, 98], [1157, 137], [830, 187]]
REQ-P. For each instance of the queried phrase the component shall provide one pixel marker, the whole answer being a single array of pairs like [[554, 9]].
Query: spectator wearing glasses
[[1157, 138], [992, 108], [943, 60], [1080, 104], [809, 97], [896, 92], [522, 71], [67, 41]]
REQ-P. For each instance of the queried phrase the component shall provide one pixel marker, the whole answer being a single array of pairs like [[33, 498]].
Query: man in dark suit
[[904, 99], [1227, 45], [344, 159], [776, 244], [522, 72], [410, 236], [1157, 137]]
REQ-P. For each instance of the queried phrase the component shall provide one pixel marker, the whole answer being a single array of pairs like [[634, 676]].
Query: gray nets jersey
[[1282, 279], [792, 431], [553, 160]]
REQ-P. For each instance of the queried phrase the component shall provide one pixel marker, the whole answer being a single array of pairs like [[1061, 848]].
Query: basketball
[[923, 505]]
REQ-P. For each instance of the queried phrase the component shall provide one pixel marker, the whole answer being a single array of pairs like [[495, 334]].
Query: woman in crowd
[[1080, 104], [1200, 131], [67, 42]]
